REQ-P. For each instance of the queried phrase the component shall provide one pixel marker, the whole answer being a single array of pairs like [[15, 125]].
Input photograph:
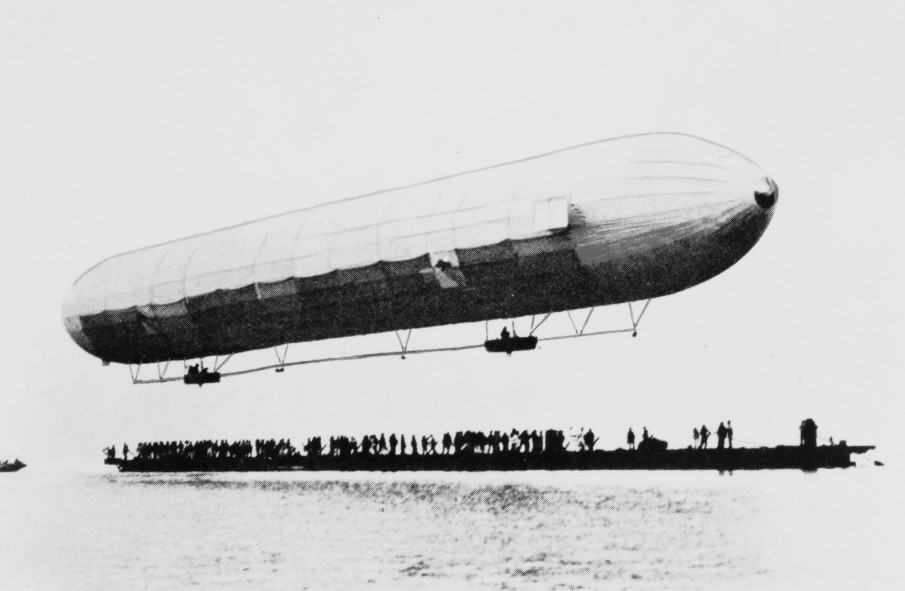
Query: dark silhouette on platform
[[589, 440], [393, 443], [651, 444], [721, 436], [808, 430]]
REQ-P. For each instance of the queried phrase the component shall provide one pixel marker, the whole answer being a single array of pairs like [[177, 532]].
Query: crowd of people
[[462, 442], [723, 435], [208, 449]]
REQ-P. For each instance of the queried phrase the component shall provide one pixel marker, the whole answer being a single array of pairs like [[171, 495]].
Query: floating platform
[[761, 458]]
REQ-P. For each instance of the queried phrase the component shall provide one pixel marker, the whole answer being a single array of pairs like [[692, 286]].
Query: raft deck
[[761, 458]]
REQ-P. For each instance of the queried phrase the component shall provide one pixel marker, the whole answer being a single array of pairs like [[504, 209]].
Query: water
[[631, 530]]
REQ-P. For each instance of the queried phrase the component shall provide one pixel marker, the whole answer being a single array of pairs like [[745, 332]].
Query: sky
[[129, 124]]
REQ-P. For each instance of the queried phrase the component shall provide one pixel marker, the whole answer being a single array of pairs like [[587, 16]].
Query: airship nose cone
[[766, 192]]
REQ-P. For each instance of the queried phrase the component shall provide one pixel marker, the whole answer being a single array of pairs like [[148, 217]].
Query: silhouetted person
[[704, 435], [382, 444], [414, 446], [125, 451], [644, 435], [504, 334], [393, 443], [729, 432], [630, 438], [537, 442], [721, 436], [447, 443], [695, 435], [524, 440], [589, 440]]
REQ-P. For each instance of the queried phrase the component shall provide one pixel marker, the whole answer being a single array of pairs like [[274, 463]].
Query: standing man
[[524, 441], [695, 434], [393, 443], [630, 438], [589, 440], [125, 451], [721, 436], [704, 435], [729, 432]]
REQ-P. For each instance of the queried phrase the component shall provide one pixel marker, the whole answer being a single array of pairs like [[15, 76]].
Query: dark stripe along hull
[[510, 279]]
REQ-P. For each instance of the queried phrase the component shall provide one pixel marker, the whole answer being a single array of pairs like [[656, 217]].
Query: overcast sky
[[124, 125]]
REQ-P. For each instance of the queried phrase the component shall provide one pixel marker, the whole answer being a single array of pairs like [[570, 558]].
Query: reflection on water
[[277, 531]]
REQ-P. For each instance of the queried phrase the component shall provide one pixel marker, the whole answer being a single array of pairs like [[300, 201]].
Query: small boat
[[509, 344], [11, 467]]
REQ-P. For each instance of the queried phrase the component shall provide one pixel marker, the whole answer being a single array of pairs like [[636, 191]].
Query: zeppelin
[[608, 222]]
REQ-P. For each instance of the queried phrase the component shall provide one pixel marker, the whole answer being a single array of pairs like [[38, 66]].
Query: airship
[[609, 222]]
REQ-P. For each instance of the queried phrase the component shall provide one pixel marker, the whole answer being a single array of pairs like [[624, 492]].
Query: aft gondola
[[509, 344], [204, 376]]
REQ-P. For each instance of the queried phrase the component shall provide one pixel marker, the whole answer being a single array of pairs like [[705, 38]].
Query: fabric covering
[[609, 222], [516, 201]]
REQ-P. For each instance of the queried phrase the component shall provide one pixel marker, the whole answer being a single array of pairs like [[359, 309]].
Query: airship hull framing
[[589, 250]]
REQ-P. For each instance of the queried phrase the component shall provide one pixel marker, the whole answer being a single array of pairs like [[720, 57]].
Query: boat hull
[[14, 467]]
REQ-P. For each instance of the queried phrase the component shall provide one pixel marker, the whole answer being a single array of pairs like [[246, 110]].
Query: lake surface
[[835, 529]]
